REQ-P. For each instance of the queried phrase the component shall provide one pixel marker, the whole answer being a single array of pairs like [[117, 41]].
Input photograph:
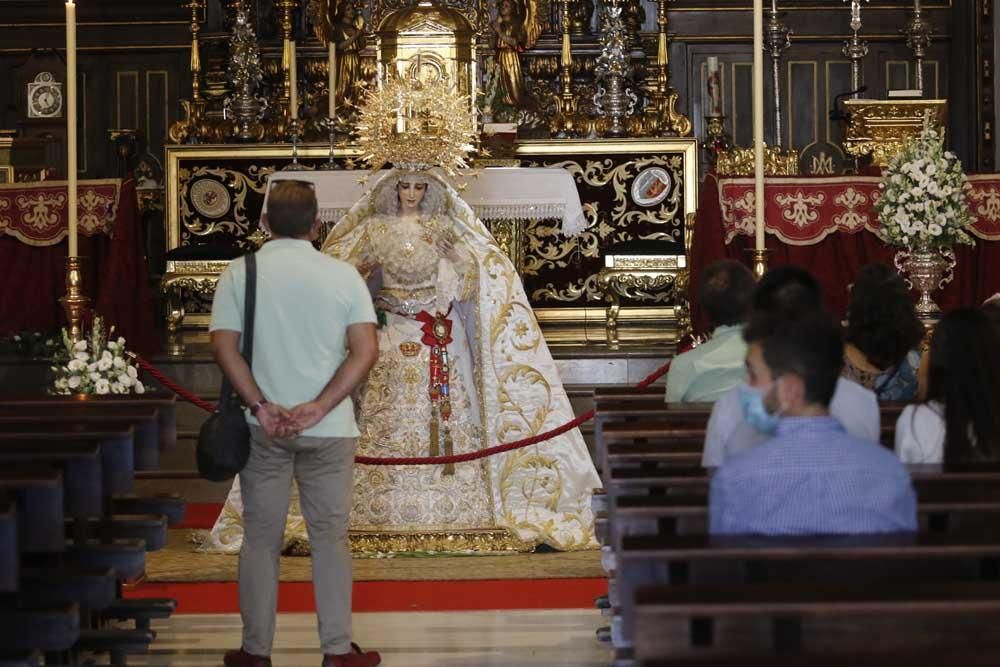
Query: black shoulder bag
[[224, 438]]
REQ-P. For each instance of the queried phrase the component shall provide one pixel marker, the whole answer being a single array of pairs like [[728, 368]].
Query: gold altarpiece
[[637, 190]]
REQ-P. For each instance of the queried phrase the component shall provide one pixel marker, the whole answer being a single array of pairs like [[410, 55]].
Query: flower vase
[[926, 269]]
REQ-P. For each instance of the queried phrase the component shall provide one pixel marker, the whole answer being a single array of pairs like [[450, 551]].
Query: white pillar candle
[[758, 122], [71, 124]]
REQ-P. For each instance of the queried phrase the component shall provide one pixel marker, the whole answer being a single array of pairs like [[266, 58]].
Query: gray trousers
[[322, 468]]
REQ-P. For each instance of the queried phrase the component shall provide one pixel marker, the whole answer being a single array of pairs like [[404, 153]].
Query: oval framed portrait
[[651, 186]]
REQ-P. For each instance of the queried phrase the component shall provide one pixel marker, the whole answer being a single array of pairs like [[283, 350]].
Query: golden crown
[[416, 124]]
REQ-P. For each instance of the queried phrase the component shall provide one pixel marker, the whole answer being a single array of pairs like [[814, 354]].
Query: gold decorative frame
[[740, 162], [563, 325], [881, 127]]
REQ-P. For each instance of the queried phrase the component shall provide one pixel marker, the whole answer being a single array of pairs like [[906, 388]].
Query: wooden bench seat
[[142, 418], [126, 556], [850, 611], [92, 589], [84, 487], [10, 563], [165, 404], [38, 497], [117, 439], [150, 528], [170, 505], [927, 658], [46, 629]]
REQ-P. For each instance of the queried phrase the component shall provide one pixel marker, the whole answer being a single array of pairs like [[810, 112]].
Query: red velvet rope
[[419, 460]]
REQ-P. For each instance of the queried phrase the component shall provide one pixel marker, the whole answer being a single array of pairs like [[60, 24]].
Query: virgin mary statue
[[462, 366]]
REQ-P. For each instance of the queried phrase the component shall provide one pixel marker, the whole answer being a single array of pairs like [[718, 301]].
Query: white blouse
[[920, 433]]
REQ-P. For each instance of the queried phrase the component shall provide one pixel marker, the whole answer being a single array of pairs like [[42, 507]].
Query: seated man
[[791, 291], [811, 477], [716, 366]]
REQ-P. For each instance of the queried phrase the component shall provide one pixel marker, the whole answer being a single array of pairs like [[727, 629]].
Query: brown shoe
[[240, 658], [356, 658]]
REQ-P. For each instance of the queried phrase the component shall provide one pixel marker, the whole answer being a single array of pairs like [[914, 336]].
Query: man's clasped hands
[[280, 422]]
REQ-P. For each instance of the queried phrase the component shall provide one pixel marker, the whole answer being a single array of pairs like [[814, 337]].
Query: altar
[[557, 211], [828, 225]]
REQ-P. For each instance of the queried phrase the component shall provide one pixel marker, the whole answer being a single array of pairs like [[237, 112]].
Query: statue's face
[[507, 7], [411, 193]]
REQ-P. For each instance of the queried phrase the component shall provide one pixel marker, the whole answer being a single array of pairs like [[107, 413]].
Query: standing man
[[314, 342]]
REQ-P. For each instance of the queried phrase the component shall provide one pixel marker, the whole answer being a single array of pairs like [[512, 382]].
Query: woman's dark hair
[[881, 319], [726, 290], [964, 376]]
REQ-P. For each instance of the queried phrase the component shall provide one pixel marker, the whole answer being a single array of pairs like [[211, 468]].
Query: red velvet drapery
[[115, 278]]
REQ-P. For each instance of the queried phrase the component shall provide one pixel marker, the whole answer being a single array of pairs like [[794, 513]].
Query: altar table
[[33, 248], [828, 225], [497, 193]]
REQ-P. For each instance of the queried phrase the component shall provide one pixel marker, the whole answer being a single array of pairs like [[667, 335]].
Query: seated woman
[[882, 335], [708, 371], [958, 422]]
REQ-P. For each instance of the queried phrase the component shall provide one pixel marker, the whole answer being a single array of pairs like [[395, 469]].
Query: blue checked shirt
[[812, 478]]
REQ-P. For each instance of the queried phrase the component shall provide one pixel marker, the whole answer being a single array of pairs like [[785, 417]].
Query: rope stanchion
[[174, 387], [421, 460]]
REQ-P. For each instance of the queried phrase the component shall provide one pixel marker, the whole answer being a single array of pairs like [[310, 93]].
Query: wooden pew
[[38, 497], [10, 564], [165, 404], [144, 420], [844, 619], [49, 432], [83, 483]]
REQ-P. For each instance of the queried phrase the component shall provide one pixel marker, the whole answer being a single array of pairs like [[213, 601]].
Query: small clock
[[45, 97]]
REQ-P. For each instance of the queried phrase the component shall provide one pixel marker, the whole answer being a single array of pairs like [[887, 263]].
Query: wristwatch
[[256, 406]]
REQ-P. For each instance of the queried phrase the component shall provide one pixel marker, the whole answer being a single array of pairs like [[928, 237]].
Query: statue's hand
[[446, 246]]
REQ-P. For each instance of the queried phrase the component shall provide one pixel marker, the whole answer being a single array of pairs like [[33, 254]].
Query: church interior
[[600, 160]]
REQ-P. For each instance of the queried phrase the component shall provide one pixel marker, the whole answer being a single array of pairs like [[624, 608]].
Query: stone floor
[[549, 638]]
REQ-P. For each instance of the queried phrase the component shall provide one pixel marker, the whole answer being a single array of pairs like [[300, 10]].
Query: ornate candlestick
[[75, 303], [293, 135], [777, 38], [286, 6], [856, 48], [568, 103], [612, 66], [331, 128], [918, 38], [245, 74]]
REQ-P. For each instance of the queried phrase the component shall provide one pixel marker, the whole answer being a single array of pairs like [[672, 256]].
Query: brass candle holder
[[75, 303]]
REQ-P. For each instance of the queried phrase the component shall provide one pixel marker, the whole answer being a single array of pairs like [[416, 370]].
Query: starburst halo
[[416, 125]]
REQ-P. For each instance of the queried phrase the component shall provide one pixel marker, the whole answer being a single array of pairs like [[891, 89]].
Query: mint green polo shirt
[[709, 370], [305, 302]]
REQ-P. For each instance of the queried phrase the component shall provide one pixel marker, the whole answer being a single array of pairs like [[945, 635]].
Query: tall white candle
[[292, 77], [758, 122], [332, 80], [71, 124]]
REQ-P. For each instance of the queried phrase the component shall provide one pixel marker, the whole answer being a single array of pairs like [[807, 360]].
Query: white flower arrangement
[[95, 365], [923, 199]]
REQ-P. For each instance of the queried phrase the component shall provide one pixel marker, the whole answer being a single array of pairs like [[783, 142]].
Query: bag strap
[[227, 394], [249, 306]]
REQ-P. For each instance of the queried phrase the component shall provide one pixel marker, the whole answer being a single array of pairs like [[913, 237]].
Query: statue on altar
[[517, 27], [341, 22], [462, 362]]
